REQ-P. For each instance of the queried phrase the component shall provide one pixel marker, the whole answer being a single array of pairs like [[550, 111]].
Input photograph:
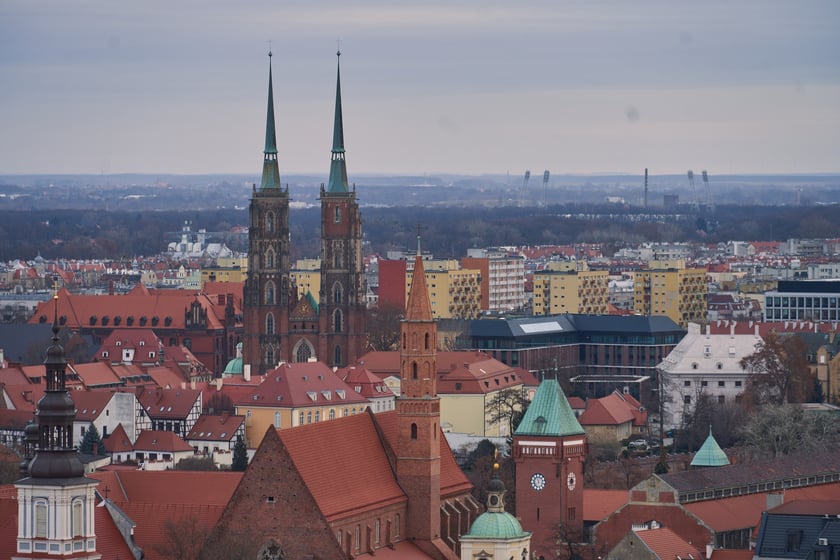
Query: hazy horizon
[[437, 88]]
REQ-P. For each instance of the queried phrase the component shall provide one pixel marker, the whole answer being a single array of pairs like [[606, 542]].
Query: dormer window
[[119, 343], [142, 343]]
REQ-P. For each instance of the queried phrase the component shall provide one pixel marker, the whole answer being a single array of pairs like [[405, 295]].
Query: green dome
[[234, 367], [710, 454], [496, 525]]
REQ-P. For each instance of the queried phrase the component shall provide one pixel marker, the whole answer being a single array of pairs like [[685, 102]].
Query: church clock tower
[[266, 290], [549, 448]]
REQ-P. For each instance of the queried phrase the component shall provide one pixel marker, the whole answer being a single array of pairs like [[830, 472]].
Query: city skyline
[[461, 88]]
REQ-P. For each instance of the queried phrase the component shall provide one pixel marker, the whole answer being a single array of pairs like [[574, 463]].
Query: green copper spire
[[710, 454], [549, 414], [338, 168], [270, 173]]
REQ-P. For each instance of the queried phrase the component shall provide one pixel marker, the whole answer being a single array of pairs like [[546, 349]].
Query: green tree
[[240, 455], [92, 443]]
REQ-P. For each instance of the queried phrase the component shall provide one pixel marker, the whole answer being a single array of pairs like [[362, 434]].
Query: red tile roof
[[118, 441], [721, 554], [165, 377], [96, 373], [216, 427], [169, 487], [25, 397], [364, 382], [160, 441], [15, 419], [90, 404], [606, 411], [13, 375], [301, 385], [175, 403], [598, 504], [667, 545]]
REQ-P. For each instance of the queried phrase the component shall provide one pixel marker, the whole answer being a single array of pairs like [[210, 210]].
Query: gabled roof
[[25, 397], [97, 374], [549, 413], [364, 382], [304, 384], [481, 374], [173, 403], [216, 428], [667, 545], [168, 487], [606, 411], [117, 441], [15, 419], [165, 377], [90, 404], [160, 441], [598, 504]]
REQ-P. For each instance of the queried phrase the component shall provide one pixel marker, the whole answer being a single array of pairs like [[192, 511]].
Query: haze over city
[[491, 87]]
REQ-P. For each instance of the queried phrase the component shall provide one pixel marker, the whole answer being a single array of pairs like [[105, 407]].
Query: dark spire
[[338, 168], [56, 412], [271, 173]]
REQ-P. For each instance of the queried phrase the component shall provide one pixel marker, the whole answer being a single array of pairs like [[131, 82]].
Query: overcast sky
[[449, 86]]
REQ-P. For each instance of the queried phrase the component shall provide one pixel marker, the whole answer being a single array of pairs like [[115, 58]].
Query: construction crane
[[708, 192], [693, 190], [524, 187], [545, 187]]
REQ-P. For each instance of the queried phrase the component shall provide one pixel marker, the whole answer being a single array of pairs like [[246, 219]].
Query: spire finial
[[338, 169], [419, 229], [271, 172], [55, 308]]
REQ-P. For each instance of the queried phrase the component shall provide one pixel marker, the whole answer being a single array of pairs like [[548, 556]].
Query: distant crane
[[545, 187], [524, 187], [693, 190], [708, 192]]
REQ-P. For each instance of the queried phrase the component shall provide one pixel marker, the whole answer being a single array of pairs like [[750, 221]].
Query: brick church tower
[[342, 299], [418, 417], [267, 290], [549, 448], [278, 325]]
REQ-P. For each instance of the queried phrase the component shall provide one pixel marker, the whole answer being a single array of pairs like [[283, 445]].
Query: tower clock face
[[537, 482], [571, 481]]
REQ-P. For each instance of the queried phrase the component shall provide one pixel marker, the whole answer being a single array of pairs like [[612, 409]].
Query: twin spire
[[338, 168]]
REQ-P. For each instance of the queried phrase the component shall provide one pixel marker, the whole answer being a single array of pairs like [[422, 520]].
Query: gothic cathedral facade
[[279, 325]]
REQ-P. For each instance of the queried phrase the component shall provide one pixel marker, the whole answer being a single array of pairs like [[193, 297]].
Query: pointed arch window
[[338, 294], [269, 293], [414, 370], [337, 320], [304, 351], [269, 258], [269, 222], [269, 356], [427, 341], [337, 214], [413, 431], [337, 355], [269, 323]]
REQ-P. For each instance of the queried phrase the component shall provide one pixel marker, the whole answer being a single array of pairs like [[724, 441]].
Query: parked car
[[638, 443]]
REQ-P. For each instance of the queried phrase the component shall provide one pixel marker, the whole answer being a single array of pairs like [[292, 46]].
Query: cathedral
[[279, 326]]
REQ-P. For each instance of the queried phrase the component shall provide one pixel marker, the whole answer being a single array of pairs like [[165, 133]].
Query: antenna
[[646, 187], [546, 173]]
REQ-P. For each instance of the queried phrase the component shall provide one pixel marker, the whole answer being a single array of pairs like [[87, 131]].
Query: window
[[426, 341], [332, 414], [269, 323], [413, 431], [337, 355], [337, 321], [300, 421], [337, 215], [704, 383], [337, 293], [317, 415], [721, 399], [276, 419], [269, 222], [269, 293], [304, 352], [686, 383], [309, 417], [269, 356], [794, 541], [78, 518], [687, 399], [572, 514], [414, 370], [721, 383], [737, 383], [41, 520], [357, 537], [376, 531], [269, 259], [397, 525]]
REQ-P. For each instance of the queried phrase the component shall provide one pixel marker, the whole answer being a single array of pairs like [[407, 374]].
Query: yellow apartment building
[[306, 275], [570, 287], [669, 288], [455, 293]]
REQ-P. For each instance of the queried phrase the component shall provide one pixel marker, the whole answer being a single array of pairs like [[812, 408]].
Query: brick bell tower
[[267, 288], [549, 448], [418, 417], [341, 307]]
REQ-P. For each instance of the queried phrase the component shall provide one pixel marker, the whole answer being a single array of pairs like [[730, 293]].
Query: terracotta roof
[[96, 373], [373, 482], [13, 375], [165, 377], [364, 382], [721, 554], [606, 411], [169, 487], [25, 397], [598, 504], [15, 419], [160, 441], [142, 341], [577, 403], [216, 428], [820, 506], [403, 550], [175, 403], [118, 441], [667, 545], [302, 385], [90, 404], [477, 376], [740, 512]]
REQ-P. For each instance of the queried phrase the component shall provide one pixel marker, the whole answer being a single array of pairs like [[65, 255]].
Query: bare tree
[[778, 371], [775, 431], [507, 406], [383, 324], [184, 539]]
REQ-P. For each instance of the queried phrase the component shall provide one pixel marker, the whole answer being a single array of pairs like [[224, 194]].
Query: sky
[[428, 87]]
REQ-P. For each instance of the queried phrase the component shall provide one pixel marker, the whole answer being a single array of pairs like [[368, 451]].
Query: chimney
[[708, 330], [224, 417], [774, 499], [246, 372], [192, 384], [183, 384], [732, 329]]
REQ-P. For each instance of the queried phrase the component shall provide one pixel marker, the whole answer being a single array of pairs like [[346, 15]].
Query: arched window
[[332, 414], [413, 431], [414, 370], [304, 352], [337, 320], [397, 525], [300, 419], [269, 323], [269, 293], [337, 355], [269, 258], [78, 518], [376, 531], [337, 292], [337, 214], [269, 356], [317, 415], [309, 417], [404, 340], [427, 341], [337, 260], [357, 537], [41, 519], [269, 222], [276, 419]]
